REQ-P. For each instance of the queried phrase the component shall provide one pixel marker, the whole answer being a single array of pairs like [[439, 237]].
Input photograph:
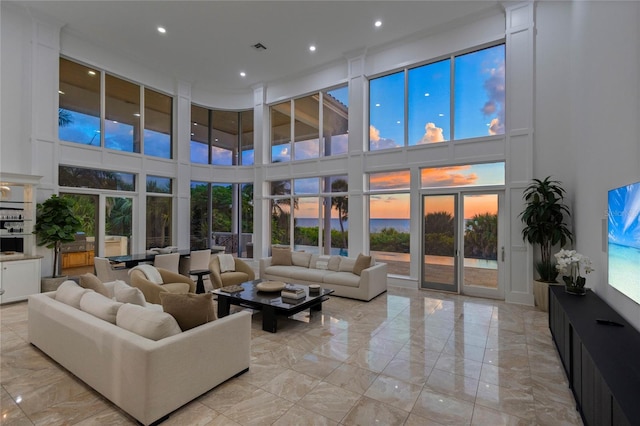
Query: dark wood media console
[[602, 361]]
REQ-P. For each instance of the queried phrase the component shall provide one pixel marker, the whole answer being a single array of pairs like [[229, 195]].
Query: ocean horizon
[[375, 225]]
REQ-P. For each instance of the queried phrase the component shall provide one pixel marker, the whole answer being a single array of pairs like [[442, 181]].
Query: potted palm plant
[[56, 224], [544, 225]]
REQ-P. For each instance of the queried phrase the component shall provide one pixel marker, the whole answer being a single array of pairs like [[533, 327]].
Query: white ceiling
[[209, 42]]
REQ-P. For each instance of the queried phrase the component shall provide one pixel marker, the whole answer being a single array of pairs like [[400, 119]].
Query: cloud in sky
[[378, 142], [448, 176], [494, 86], [432, 134], [390, 180]]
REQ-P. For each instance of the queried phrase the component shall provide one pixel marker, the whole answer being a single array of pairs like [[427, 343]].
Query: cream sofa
[[148, 379], [333, 272]]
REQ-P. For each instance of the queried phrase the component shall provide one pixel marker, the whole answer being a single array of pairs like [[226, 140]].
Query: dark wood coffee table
[[270, 303]]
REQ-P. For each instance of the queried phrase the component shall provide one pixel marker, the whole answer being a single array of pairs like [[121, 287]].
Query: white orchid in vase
[[570, 264]]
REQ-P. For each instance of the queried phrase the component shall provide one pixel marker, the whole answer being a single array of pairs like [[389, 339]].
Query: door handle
[[503, 253]]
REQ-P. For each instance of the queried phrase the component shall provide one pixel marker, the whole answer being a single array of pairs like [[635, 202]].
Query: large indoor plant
[[544, 225], [56, 224]]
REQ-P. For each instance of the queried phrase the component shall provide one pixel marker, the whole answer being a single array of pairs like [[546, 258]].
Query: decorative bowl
[[270, 286]]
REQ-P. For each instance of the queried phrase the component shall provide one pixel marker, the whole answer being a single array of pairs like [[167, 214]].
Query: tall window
[[159, 211], [306, 128], [281, 132], [320, 208], [429, 103], [158, 112], [122, 115], [389, 219], [474, 109], [222, 138], [246, 138], [386, 112], [222, 215], [79, 104], [320, 126], [335, 119], [124, 126], [479, 93]]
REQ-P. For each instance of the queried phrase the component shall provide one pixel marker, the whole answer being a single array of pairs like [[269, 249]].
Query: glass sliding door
[[77, 256], [118, 214], [462, 246], [482, 252], [439, 242]]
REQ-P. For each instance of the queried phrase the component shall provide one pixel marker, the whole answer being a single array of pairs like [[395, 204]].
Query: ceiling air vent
[[259, 46]]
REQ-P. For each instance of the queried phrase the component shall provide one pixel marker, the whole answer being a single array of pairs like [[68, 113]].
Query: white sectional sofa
[[333, 272], [146, 378]]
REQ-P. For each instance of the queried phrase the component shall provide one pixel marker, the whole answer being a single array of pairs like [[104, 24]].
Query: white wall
[[587, 115], [15, 90]]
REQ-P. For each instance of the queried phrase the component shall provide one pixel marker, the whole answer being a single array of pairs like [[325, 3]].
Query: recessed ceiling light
[[426, 94], [91, 72], [243, 74], [440, 115], [61, 92], [378, 23], [312, 48], [377, 105], [398, 122], [136, 114], [195, 124], [162, 30]]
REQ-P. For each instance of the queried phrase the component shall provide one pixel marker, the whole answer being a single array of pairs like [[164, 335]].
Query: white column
[[520, 34]]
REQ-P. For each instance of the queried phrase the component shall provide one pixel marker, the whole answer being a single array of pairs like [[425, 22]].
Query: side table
[[200, 273]]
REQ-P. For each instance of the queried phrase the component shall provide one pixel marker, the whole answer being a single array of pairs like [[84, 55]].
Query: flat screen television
[[624, 240]]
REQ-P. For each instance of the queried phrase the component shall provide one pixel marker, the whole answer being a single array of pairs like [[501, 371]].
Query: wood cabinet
[[601, 361], [75, 259], [19, 279]]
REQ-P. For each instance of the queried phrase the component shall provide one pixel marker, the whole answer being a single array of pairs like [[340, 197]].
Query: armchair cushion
[[190, 310]]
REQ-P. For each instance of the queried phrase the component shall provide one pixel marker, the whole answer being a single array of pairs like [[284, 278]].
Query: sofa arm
[[264, 264], [374, 278]]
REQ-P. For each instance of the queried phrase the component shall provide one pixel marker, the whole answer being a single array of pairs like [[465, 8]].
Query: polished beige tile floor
[[408, 357]]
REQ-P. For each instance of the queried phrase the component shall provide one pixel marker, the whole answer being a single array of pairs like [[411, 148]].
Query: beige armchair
[[243, 273], [171, 283]]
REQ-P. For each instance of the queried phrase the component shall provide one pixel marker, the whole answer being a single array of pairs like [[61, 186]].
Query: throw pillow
[[227, 263], [323, 262], [334, 263], [92, 282], [100, 306], [300, 258], [190, 310], [346, 264], [362, 263], [124, 293], [280, 256], [70, 293], [145, 322]]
